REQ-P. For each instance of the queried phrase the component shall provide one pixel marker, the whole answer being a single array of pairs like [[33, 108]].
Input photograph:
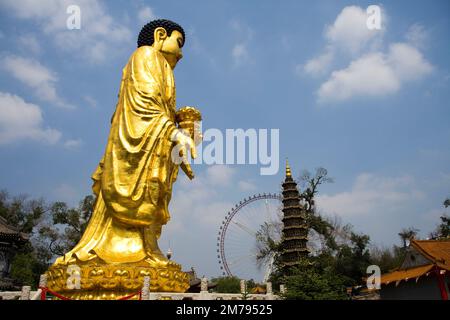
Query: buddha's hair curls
[[146, 35]]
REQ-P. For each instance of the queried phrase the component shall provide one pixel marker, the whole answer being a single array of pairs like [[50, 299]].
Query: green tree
[[251, 284], [407, 234], [442, 231], [24, 214], [21, 212], [308, 283], [444, 227], [267, 243], [352, 260], [26, 267], [311, 183], [53, 229], [447, 203], [387, 258], [227, 284], [66, 226]]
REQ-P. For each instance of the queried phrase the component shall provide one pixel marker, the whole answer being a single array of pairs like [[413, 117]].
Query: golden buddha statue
[[133, 181]]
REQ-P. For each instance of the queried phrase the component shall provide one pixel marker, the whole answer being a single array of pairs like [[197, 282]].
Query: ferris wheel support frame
[[226, 222]]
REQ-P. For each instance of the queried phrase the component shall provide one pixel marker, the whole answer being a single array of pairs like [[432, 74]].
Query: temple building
[[423, 275], [10, 240], [295, 227], [195, 282]]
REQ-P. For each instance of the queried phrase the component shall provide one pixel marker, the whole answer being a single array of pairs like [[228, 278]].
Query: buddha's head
[[165, 36]]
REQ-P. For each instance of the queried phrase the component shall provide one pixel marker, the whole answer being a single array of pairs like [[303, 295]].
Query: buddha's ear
[[159, 34]]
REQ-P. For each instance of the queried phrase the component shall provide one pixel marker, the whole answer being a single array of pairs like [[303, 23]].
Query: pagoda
[[295, 228]]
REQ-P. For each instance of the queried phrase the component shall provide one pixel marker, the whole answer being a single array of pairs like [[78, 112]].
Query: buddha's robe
[[137, 172], [133, 181]]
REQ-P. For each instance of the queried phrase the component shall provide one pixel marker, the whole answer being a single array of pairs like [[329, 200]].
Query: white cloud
[[407, 62], [29, 43], [246, 186], [220, 174], [146, 15], [73, 144], [244, 30], [202, 201], [319, 65], [32, 9], [199, 48], [381, 206], [348, 34], [21, 120], [99, 37], [417, 35], [370, 75], [349, 31], [36, 76], [373, 195], [90, 101], [375, 74], [240, 52], [371, 71]]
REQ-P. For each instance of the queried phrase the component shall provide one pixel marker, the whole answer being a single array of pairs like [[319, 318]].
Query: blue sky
[[369, 105]]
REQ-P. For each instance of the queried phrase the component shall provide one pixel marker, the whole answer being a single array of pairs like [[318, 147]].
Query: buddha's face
[[171, 48]]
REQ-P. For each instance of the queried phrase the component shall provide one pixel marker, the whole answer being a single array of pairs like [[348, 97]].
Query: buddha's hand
[[184, 142], [179, 153]]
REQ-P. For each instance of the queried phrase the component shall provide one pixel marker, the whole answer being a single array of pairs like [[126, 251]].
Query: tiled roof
[[5, 228], [437, 252], [9, 231], [406, 274]]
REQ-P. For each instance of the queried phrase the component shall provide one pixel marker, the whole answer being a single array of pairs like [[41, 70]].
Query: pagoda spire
[[288, 169], [295, 228]]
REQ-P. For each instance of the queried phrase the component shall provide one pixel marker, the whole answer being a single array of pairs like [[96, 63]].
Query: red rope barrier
[[56, 294], [43, 293], [131, 296]]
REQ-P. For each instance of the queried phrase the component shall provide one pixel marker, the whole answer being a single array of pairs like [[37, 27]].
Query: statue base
[[99, 281]]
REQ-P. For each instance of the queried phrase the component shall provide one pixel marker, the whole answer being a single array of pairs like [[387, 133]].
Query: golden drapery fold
[[133, 181]]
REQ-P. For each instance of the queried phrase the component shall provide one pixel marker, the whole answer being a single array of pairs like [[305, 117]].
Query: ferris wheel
[[237, 238]]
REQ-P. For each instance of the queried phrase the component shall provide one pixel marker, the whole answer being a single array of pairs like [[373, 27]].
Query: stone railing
[[205, 295], [27, 294]]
